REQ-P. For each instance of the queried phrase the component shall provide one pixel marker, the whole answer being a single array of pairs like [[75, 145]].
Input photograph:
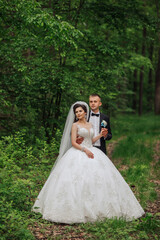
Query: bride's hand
[[89, 153]]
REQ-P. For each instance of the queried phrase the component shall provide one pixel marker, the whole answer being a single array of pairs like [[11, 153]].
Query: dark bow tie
[[95, 114]]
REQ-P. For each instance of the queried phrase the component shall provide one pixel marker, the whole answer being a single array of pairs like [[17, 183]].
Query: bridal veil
[[66, 137]]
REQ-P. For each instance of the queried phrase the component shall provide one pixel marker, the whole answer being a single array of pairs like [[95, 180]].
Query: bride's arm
[[74, 137], [76, 145], [97, 137]]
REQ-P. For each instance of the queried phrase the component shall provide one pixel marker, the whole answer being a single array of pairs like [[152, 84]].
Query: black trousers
[[97, 147], [101, 149]]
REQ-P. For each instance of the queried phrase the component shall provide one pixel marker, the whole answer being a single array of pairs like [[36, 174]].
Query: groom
[[96, 118]]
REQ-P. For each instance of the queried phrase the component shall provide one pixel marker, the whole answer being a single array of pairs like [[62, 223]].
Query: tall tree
[[56, 52], [157, 77], [135, 85], [157, 86], [142, 75], [150, 80]]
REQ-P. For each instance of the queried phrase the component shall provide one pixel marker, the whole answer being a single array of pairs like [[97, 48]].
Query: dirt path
[[154, 207], [46, 231]]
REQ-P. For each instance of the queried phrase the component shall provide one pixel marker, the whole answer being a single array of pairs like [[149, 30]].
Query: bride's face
[[80, 113]]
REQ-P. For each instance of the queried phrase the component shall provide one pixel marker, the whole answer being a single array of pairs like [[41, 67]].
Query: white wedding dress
[[81, 189]]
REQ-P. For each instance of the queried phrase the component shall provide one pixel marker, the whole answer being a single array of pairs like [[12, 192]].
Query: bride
[[84, 185]]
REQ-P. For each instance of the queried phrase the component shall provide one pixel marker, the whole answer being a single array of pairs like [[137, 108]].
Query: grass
[[128, 125], [119, 229], [134, 156], [135, 143], [136, 151]]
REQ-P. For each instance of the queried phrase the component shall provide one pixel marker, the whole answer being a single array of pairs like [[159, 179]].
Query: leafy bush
[[13, 223], [19, 180], [149, 223], [25, 166]]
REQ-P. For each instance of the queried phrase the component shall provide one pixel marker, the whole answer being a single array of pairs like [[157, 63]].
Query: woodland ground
[[135, 151]]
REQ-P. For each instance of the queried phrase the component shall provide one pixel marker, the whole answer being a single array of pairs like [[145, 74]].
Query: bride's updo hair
[[76, 106], [79, 105]]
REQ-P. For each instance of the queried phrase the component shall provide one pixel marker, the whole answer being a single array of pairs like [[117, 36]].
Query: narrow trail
[[48, 231], [154, 207]]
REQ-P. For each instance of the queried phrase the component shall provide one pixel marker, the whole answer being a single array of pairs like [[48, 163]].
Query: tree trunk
[[142, 76], [150, 82], [157, 87], [157, 79], [57, 110], [135, 87]]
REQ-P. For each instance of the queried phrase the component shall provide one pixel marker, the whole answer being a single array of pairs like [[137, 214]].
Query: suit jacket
[[109, 135]]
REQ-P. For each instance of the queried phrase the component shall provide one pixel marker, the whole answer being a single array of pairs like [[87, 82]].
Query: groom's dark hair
[[95, 95]]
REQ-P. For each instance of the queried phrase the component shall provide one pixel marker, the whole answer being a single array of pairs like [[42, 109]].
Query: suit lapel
[[100, 122], [89, 115]]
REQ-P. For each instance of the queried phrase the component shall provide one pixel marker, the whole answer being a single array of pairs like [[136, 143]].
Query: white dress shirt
[[95, 123]]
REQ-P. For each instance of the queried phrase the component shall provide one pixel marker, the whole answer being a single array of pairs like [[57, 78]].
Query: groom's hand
[[104, 132], [79, 140]]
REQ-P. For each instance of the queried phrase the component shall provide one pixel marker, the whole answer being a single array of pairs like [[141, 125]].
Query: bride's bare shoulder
[[75, 124], [74, 127]]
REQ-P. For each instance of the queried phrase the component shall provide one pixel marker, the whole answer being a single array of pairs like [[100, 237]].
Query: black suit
[[109, 135]]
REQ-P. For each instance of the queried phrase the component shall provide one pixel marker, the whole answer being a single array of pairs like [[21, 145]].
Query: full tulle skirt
[[81, 189]]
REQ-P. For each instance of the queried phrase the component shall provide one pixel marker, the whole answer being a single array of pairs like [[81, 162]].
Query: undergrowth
[[25, 167]]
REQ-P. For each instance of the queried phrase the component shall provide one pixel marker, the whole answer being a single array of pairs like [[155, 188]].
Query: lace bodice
[[87, 135]]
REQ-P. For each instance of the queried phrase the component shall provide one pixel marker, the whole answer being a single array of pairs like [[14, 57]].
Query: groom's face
[[94, 103]]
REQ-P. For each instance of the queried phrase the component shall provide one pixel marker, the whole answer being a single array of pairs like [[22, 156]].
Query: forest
[[52, 54]]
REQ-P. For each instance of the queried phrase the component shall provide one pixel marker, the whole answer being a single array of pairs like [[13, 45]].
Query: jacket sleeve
[[109, 135]]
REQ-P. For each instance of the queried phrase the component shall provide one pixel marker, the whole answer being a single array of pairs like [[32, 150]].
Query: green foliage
[[143, 153], [32, 56], [54, 54], [147, 126], [136, 151], [13, 223], [119, 229], [149, 223], [22, 165], [26, 165]]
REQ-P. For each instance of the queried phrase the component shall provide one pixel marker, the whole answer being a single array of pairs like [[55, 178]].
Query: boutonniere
[[103, 124]]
